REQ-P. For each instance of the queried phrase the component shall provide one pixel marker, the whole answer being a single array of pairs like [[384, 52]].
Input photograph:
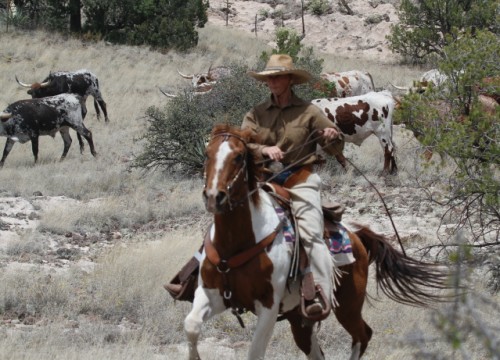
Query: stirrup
[[317, 309]]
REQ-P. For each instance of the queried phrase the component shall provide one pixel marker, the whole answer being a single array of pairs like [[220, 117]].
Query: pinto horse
[[246, 260]]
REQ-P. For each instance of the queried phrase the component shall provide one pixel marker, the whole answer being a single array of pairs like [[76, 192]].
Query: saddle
[[185, 282]]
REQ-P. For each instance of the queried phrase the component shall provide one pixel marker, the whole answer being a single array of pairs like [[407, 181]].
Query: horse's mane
[[248, 136]]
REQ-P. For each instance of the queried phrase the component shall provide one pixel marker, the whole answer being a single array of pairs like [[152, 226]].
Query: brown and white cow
[[361, 116], [345, 84], [27, 120]]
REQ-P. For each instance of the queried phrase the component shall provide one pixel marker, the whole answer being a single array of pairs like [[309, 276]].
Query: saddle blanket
[[340, 245], [338, 241]]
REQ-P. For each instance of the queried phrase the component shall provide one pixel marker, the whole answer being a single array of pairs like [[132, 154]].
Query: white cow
[[361, 116], [348, 83]]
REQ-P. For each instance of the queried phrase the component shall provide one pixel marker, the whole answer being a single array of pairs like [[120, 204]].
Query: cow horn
[[5, 116], [400, 87], [21, 83], [45, 84], [185, 76], [167, 94]]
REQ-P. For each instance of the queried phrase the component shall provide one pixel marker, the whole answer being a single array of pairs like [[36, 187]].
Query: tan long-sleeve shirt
[[290, 128]]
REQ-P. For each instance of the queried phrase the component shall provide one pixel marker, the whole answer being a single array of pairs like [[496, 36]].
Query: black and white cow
[[27, 120], [81, 82], [361, 116]]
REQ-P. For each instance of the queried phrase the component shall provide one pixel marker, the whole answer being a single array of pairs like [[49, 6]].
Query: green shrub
[[177, 133], [319, 7], [452, 121], [162, 24]]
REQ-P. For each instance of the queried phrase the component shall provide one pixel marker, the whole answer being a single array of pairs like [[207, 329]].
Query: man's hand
[[330, 133], [273, 152]]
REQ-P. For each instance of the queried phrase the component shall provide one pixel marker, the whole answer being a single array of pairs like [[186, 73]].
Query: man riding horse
[[289, 130]]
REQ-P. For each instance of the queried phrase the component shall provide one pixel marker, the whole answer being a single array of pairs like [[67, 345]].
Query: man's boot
[[184, 284], [314, 304]]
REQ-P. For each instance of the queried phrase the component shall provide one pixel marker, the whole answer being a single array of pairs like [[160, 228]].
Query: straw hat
[[281, 64]]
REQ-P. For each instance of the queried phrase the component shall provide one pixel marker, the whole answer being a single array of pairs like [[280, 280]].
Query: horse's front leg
[[206, 304], [263, 331]]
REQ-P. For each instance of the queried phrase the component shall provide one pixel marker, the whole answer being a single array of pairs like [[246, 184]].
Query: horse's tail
[[401, 278]]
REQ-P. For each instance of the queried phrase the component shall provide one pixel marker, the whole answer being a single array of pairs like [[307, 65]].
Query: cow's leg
[[34, 147], [84, 108], [81, 143], [304, 335], [67, 141], [390, 166], [206, 304], [97, 111], [102, 104], [104, 109], [8, 147], [87, 134]]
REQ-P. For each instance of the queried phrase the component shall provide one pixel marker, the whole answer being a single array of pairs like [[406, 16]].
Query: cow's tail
[[402, 278], [371, 80]]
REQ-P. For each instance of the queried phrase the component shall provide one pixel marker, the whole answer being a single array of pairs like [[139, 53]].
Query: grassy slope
[[120, 311]]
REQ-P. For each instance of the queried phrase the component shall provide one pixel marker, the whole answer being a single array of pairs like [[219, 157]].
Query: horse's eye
[[238, 159]]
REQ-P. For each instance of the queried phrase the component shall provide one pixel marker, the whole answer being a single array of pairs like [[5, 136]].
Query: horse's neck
[[233, 232], [244, 226]]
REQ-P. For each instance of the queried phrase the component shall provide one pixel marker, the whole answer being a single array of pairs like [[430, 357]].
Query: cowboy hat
[[281, 64]]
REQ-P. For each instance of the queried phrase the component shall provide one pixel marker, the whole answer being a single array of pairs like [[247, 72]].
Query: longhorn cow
[[27, 120], [361, 116], [81, 82], [209, 78]]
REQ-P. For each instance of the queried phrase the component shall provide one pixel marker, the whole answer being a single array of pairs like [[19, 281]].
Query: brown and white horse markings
[[361, 116], [27, 120], [243, 216]]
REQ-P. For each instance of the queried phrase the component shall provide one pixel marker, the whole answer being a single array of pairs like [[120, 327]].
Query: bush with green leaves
[[452, 121], [161, 24], [426, 26], [319, 7], [178, 132]]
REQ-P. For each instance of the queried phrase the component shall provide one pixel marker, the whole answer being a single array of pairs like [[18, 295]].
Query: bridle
[[243, 168], [242, 171]]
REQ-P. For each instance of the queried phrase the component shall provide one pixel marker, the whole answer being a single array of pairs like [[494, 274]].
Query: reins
[[309, 140]]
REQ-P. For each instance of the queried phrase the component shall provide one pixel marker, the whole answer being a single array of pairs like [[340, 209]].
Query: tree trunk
[[346, 7], [75, 17]]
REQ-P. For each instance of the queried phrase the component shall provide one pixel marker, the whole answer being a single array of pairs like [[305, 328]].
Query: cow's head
[[36, 90], [197, 79]]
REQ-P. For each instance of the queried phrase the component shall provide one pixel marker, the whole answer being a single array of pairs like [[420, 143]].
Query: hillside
[[360, 36], [87, 243]]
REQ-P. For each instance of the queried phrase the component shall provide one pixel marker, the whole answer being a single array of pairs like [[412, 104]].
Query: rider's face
[[278, 84]]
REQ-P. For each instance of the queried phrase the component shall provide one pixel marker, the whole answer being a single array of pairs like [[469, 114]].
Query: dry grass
[[115, 308]]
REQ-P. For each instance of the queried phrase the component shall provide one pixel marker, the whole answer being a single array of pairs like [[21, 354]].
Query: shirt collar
[[295, 101]]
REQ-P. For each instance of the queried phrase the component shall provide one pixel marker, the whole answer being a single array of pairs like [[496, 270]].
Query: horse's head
[[230, 172]]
